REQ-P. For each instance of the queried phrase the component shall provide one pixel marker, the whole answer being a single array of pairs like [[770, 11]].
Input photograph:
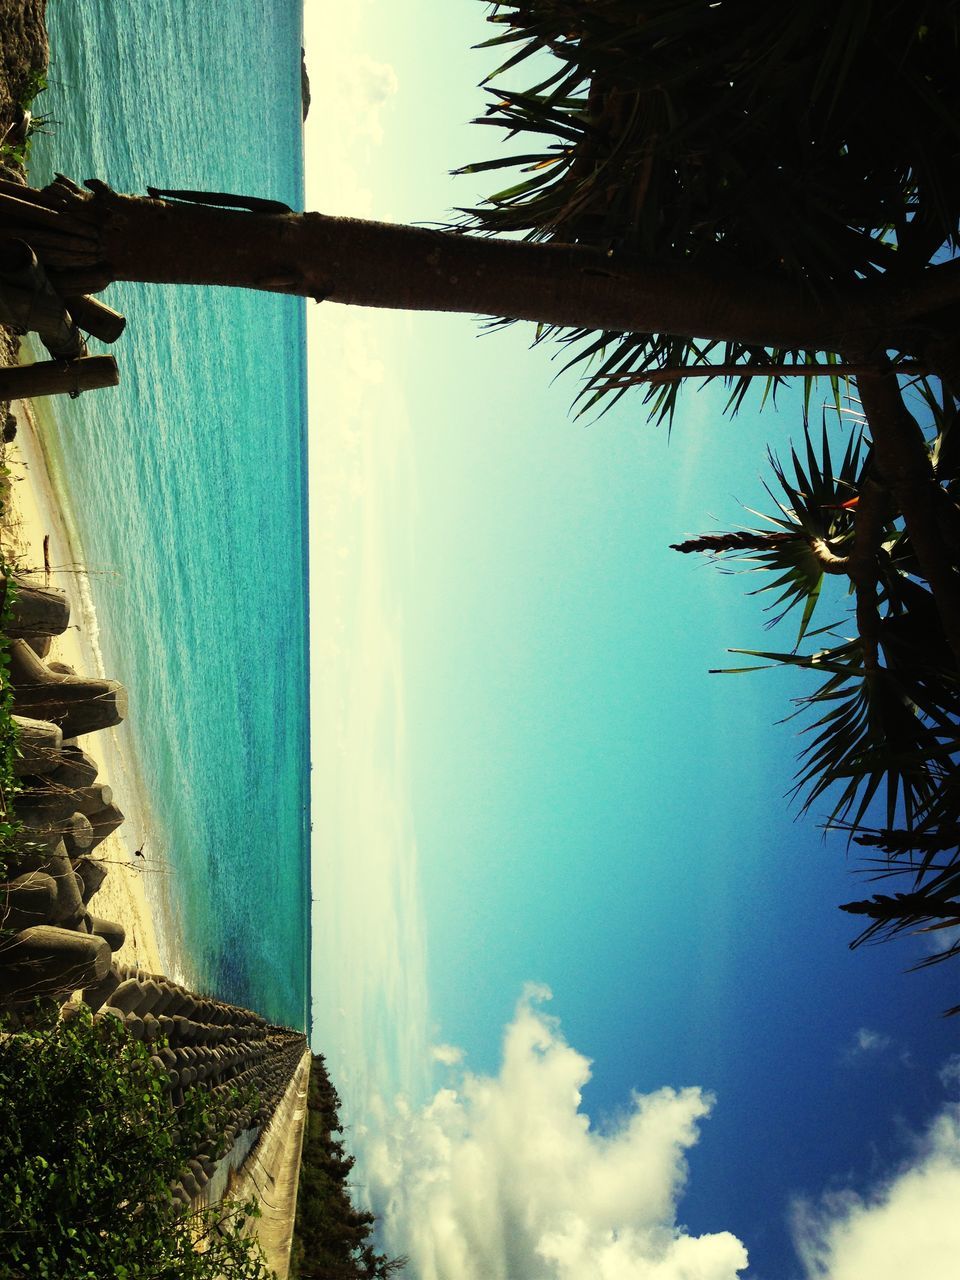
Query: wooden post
[[94, 316], [58, 377]]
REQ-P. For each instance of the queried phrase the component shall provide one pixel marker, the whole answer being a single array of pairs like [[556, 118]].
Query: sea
[[184, 489]]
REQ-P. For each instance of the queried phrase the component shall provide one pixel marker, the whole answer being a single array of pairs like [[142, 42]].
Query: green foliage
[[813, 514], [331, 1238], [817, 147], [88, 1147], [882, 722], [33, 84], [881, 741]]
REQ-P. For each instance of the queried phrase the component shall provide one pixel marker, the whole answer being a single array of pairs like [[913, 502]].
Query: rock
[[304, 85]]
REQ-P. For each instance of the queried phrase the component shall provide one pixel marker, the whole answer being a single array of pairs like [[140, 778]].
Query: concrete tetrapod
[[92, 874], [78, 704], [111, 931], [39, 746], [45, 831], [75, 769], [37, 611], [28, 900], [104, 822], [47, 961]]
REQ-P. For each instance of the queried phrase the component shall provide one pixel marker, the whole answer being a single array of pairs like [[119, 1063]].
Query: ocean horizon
[[184, 489]]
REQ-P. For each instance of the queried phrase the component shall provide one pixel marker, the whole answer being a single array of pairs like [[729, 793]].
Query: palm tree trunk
[[89, 241], [905, 468]]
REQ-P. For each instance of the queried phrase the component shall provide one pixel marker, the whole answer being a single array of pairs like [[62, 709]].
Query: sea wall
[[52, 942]]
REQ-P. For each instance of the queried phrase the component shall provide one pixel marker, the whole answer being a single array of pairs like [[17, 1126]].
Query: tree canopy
[[816, 147]]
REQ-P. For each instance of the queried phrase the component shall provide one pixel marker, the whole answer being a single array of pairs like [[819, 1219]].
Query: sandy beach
[[33, 515], [271, 1172], [139, 892]]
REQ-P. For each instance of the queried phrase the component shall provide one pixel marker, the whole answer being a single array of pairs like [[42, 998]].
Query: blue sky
[[524, 774]]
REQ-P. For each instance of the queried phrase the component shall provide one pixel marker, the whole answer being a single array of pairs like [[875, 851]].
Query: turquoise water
[[187, 484]]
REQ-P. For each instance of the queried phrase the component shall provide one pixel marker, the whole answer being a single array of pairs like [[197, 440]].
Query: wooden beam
[[58, 377]]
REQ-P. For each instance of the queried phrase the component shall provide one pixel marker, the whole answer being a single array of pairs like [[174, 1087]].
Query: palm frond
[[819, 147]]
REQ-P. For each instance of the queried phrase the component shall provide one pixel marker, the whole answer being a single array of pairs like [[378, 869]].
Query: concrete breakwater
[[241, 1061], [53, 947], [53, 943]]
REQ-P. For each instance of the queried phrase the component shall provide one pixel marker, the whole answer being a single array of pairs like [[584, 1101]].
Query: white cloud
[[506, 1177], [369, 934], [939, 937], [867, 1045], [907, 1226], [351, 94], [865, 1042], [871, 1041], [364, 89], [375, 81], [448, 1055], [950, 1072]]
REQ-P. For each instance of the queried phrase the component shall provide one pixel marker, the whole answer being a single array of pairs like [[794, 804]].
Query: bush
[[88, 1147]]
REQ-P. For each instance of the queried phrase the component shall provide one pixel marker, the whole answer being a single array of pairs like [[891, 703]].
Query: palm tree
[[709, 190], [883, 726]]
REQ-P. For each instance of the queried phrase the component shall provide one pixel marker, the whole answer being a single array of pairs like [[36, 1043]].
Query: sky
[[579, 972]]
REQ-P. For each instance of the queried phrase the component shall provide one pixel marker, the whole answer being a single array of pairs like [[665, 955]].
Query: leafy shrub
[[88, 1147]]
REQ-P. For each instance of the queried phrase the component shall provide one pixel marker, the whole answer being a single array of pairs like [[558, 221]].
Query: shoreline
[[270, 1172], [138, 893], [33, 514]]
